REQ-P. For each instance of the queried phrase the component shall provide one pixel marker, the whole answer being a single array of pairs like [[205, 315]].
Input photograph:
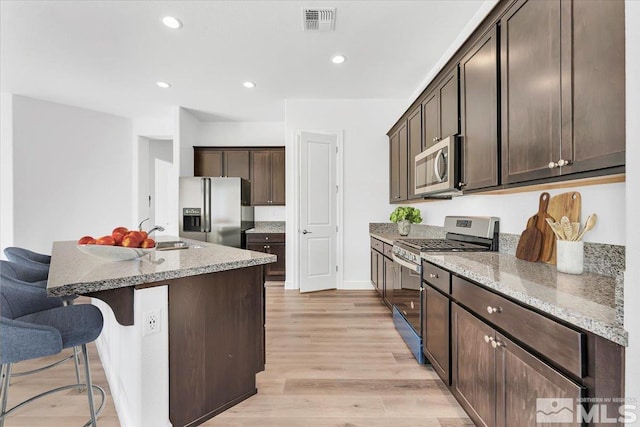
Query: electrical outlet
[[151, 322]]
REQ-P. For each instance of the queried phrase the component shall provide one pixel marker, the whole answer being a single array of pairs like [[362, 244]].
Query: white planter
[[404, 227]]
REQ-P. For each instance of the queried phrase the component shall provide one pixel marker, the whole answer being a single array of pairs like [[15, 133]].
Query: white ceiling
[[107, 55]]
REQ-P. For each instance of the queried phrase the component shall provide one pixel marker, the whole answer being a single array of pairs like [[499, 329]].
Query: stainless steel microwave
[[438, 169]]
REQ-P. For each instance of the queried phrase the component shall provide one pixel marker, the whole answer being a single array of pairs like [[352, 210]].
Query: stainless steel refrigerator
[[216, 210]]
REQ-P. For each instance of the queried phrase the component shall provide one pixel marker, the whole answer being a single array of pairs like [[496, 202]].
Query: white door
[[160, 168], [318, 235]]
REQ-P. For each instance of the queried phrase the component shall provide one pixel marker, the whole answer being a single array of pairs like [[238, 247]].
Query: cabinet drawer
[[436, 277], [558, 343], [377, 245], [388, 250], [265, 237]]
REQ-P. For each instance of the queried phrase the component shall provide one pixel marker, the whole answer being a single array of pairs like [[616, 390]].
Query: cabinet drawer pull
[[433, 276], [492, 310]]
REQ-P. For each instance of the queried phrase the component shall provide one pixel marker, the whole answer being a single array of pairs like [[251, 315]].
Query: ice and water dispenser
[[192, 219]]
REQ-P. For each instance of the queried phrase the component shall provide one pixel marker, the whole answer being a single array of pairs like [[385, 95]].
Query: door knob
[[306, 232]]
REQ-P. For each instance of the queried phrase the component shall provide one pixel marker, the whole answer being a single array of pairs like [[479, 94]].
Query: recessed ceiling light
[[338, 59], [172, 22], [163, 85], [249, 85]]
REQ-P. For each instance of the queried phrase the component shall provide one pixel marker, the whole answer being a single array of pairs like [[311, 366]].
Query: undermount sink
[[171, 245]]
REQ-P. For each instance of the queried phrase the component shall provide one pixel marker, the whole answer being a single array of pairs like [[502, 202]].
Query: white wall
[[607, 201], [6, 170], [71, 173], [365, 156], [249, 134], [632, 276]]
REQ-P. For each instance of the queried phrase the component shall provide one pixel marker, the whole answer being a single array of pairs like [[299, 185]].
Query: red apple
[[131, 241], [87, 240], [118, 236], [106, 241], [137, 235], [148, 244], [123, 230]]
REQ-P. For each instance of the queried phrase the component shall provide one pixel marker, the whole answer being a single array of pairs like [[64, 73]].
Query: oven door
[[437, 168], [407, 292]]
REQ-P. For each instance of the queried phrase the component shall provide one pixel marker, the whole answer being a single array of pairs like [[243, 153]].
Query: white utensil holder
[[570, 256]]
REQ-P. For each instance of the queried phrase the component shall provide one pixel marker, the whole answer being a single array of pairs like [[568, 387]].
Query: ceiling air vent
[[319, 19]]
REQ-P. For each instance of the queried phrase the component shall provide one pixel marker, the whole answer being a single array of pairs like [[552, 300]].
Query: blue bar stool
[[34, 325], [20, 255]]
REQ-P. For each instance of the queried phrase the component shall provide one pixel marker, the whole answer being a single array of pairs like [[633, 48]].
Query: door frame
[[297, 152]]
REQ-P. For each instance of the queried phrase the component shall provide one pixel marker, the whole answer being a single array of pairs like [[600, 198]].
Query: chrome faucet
[[155, 227]]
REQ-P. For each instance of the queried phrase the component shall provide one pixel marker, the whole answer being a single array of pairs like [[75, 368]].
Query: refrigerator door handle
[[207, 205]]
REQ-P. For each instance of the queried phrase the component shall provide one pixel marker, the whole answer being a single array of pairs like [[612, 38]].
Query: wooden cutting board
[[548, 238], [530, 241], [565, 204]]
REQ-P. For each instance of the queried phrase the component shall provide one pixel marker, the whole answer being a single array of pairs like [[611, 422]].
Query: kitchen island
[[184, 329]]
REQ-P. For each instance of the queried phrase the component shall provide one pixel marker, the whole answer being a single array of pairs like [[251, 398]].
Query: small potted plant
[[404, 216]]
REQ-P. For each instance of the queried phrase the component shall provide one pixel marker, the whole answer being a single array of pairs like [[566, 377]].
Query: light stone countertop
[[589, 301], [74, 272], [268, 227]]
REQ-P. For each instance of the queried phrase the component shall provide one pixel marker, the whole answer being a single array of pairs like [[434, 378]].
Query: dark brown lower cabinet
[[216, 342], [270, 243], [498, 382], [382, 271], [435, 331]]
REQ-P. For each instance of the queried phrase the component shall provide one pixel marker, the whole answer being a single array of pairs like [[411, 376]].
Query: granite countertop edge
[[123, 282], [615, 333], [612, 332]]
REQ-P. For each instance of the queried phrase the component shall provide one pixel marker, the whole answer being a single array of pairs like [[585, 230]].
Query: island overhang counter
[[203, 358]]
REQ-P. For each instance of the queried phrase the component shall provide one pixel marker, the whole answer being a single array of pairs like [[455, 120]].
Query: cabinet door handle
[[492, 310], [487, 339], [306, 232], [462, 184], [496, 343], [560, 163], [433, 276]]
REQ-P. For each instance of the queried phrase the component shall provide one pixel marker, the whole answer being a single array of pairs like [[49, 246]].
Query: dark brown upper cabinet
[[479, 113], [215, 161], [414, 125], [268, 177], [207, 162], [440, 110], [398, 167], [562, 101]]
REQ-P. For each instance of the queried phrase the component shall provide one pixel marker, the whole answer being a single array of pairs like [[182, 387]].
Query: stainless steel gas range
[[463, 234]]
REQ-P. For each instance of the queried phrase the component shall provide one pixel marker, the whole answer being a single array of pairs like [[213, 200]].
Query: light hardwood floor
[[334, 359]]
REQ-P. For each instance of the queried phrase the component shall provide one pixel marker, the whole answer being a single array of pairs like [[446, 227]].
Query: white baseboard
[[289, 284], [357, 285]]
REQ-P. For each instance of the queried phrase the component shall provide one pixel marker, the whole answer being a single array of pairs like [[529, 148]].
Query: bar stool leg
[[87, 374], [76, 362], [4, 388]]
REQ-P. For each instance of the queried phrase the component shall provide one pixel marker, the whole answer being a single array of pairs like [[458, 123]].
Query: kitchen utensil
[[556, 228], [546, 245], [530, 241], [567, 228], [588, 225], [575, 228], [566, 204]]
